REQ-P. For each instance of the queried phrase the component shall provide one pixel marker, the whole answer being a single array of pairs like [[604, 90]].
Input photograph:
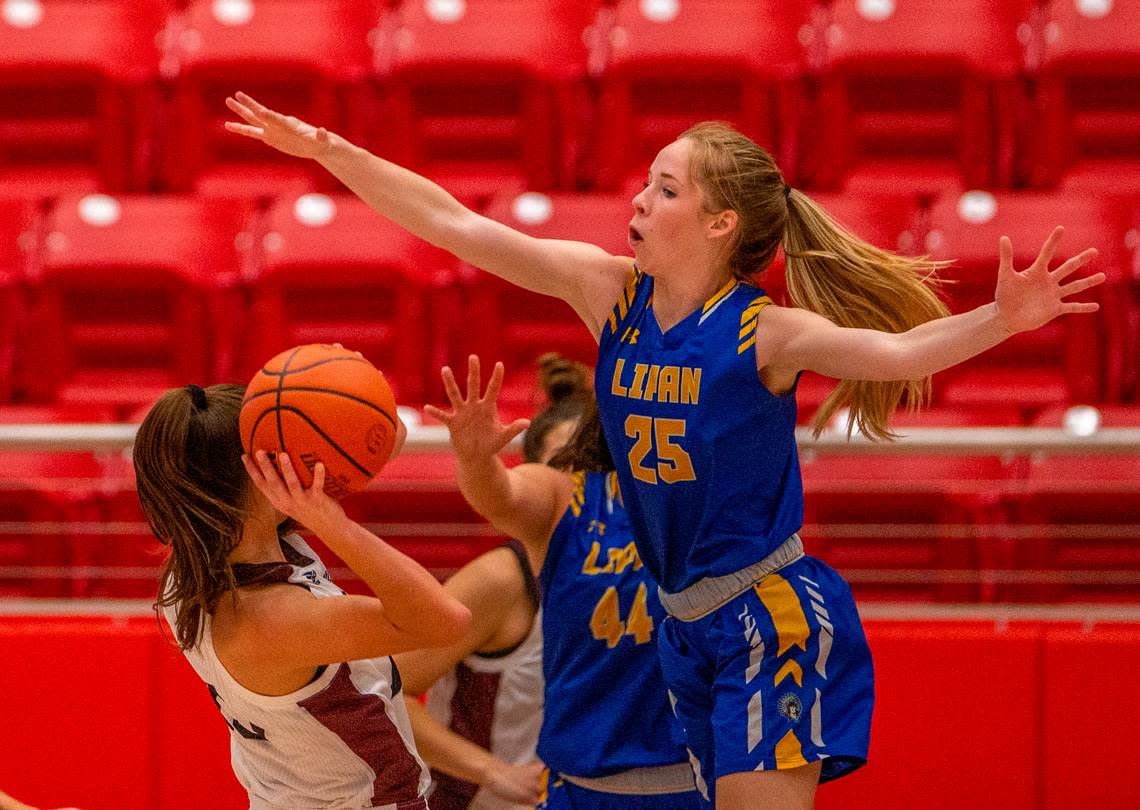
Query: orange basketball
[[322, 403]]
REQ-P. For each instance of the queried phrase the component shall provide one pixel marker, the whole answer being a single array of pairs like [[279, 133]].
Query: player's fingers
[[450, 387], [495, 384], [1074, 264], [1005, 250], [251, 102], [474, 373], [436, 413], [292, 482], [270, 478], [1078, 307], [251, 470], [514, 429], [318, 484], [1050, 246], [245, 112], [245, 129], [1082, 284]]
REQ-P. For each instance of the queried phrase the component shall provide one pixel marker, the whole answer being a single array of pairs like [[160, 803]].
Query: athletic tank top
[[607, 709], [342, 741], [706, 455], [494, 700]]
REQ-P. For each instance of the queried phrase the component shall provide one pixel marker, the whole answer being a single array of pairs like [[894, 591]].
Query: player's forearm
[[414, 600], [945, 342], [485, 483], [446, 751], [413, 202]]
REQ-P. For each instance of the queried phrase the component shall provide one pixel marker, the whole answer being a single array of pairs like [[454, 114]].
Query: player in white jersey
[[480, 727], [301, 672]]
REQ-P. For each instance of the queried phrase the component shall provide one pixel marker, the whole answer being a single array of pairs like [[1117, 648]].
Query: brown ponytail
[[193, 489], [829, 270], [571, 396]]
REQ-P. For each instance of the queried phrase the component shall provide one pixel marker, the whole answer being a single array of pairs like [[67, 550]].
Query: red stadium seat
[[47, 498], [508, 323], [911, 527], [484, 93], [913, 95], [1130, 353], [134, 295], [891, 222], [19, 239], [1087, 130], [302, 57], [124, 556], [1061, 362], [674, 63], [333, 271], [1079, 513], [73, 78]]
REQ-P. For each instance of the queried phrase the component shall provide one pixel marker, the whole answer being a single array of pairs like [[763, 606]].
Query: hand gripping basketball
[[322, 403]]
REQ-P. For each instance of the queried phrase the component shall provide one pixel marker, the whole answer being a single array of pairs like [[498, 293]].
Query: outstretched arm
[[525, 502], [583, 275], [795, 339]]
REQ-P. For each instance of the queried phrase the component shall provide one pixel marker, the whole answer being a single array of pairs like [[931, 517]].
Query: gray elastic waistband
[[703, 597], [640, 781]]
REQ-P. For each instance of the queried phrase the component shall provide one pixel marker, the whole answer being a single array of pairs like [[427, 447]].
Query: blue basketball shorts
[[777, 678], [559, 794]]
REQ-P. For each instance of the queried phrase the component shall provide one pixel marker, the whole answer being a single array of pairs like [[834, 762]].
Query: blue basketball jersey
[[705, 454], [606, 707]]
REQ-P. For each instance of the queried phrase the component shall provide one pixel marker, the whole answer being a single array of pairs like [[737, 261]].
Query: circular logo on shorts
[[791, 707], [376, 436]]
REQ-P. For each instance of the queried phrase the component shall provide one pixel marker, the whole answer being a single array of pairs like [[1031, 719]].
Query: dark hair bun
[[562, 379]]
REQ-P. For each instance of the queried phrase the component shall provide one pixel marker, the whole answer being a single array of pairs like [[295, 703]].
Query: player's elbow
[[450, 625]]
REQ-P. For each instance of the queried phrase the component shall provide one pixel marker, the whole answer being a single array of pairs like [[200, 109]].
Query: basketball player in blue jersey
[[607, 733], [763, 651], [479, 728]]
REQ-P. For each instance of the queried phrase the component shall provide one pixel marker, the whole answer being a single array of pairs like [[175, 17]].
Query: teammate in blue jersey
[[607, 737], [763, 651]]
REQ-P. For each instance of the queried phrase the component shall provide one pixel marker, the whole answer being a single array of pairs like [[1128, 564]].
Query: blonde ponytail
[[829, 270], [832, 272]]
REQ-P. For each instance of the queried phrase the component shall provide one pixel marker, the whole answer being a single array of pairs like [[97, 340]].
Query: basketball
[[322, 403]]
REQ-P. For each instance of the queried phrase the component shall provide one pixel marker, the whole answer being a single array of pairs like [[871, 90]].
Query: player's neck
[[678, 295], [259, 542]]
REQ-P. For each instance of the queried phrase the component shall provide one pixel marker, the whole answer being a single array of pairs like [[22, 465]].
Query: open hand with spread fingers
[[283, 132], [476, 431], [1030, 298]]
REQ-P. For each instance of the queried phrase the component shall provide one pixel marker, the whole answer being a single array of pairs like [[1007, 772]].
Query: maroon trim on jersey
[[362, 723], [294, 556], [268, 573], [472, 715]]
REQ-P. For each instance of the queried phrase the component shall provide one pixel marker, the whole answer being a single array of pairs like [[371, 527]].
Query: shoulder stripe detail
[[754, 307], [625, 299], [719, 297], [578, 499], [747, 336]]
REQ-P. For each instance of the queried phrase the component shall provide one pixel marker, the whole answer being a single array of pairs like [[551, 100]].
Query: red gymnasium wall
[[100, 713]]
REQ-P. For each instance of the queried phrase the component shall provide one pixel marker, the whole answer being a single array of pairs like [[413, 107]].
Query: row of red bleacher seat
[[109, 300], [572, 94], [926, 527]]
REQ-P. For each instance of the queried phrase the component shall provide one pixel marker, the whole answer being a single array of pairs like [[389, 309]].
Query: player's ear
[[722, 223]]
